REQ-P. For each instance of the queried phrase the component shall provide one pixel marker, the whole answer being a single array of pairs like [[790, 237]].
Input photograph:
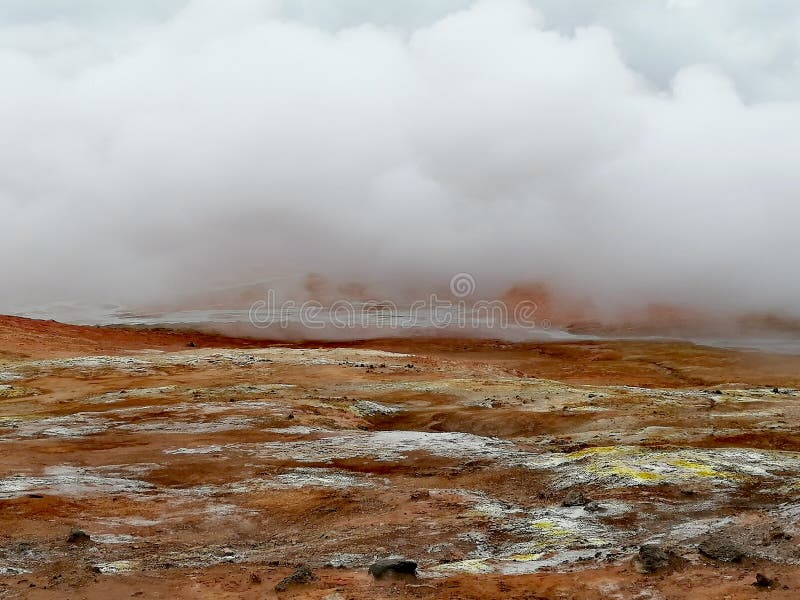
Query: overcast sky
[[630, 150]]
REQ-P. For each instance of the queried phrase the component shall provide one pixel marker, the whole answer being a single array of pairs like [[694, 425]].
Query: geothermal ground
[[206, 467]]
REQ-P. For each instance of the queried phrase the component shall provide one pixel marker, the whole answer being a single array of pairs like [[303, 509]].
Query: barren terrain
[[210, 467]]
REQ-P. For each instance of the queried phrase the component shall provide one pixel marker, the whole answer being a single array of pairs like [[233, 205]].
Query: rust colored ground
[[200, 430]]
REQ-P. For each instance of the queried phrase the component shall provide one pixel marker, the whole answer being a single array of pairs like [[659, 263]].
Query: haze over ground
[[628, 153]]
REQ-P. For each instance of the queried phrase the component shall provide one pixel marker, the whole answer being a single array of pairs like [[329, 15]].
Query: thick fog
[[627, 152]]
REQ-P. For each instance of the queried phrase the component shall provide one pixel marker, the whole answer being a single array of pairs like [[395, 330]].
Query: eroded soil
[[213, 470]]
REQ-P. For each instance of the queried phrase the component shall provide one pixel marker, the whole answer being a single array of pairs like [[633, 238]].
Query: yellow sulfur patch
[[475, 566], [552, 530], [526, 557], [12, 391], [628, 472], [699, 469], [594, 451], [544, 525]]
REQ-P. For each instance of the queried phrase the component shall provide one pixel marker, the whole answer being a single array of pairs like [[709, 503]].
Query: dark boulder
[[78, 536], [763, 581], [302, 576], [721, 547], [392, 566], [651, 558]]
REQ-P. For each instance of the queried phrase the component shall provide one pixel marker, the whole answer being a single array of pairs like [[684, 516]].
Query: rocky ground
[[159, 464]]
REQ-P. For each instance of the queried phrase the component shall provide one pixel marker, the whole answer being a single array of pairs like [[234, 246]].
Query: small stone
[[392, 566], [78, 536], [190, 345], [650, 559], [302, 576], [594, 506], [255, 578], [763, 581], [574, 498]]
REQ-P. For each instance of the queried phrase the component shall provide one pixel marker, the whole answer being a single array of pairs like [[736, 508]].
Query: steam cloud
[[646, 152]]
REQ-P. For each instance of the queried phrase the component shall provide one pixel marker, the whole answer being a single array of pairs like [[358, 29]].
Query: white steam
[[227, 142]]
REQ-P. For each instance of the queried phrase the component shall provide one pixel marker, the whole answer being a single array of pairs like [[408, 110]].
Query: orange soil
[[278, 528]]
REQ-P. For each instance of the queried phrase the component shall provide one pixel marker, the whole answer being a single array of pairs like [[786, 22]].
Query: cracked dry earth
[[504, 470]]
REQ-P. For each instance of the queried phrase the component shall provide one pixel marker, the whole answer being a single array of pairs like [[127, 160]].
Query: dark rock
[[392, 566], [776, 391], [651, 558], [77, 536], [721, 547], [594, 506], [190, 345], [302, 576], [763, 581], [574, 498]]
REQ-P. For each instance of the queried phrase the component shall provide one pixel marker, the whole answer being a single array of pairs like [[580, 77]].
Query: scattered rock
[[190, 345], [721, 547], [651, 558], [420, 495], [392, 566], [302, 576], [776, 391], [255, 578], [763, 581], [78, 536], [774, 535], [594, 506], [574, 498]]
